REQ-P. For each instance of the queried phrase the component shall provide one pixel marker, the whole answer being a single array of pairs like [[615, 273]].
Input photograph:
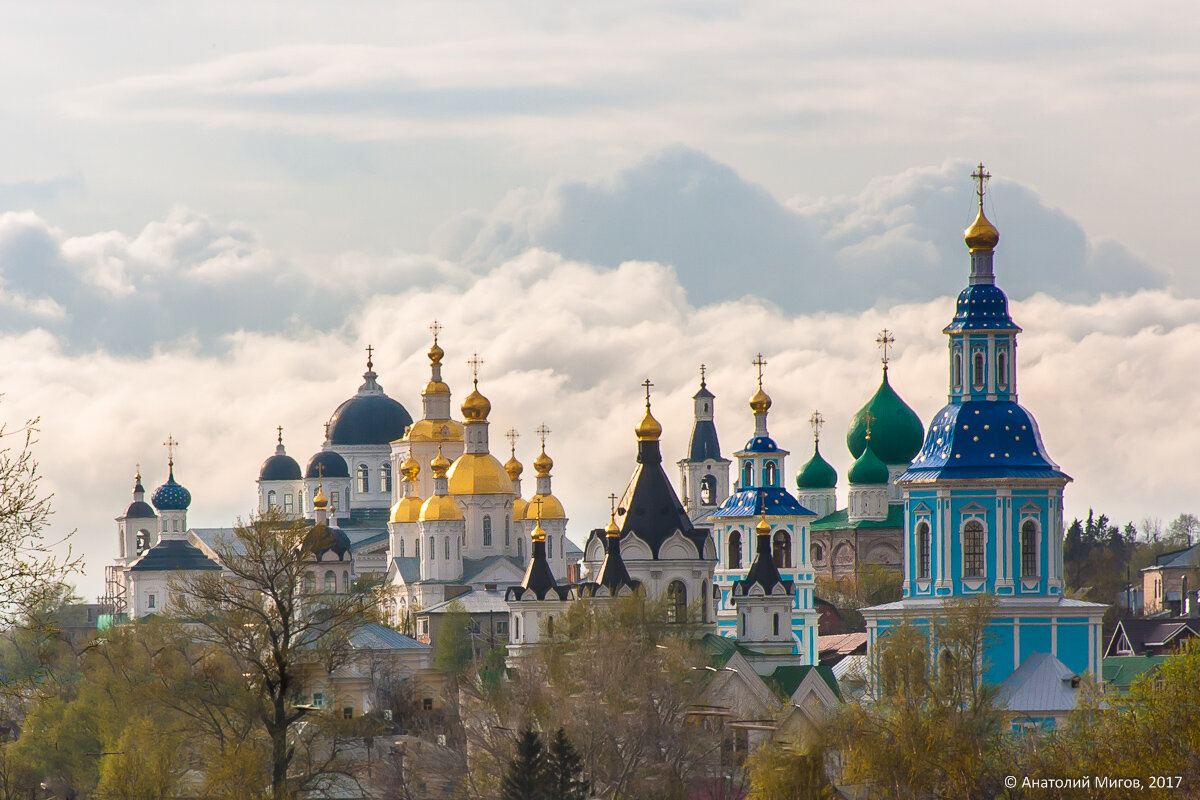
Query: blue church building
[[983, 505]]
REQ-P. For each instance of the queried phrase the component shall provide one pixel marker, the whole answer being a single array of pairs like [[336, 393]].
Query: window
[[423, 627], [956, 370], [520, 547], [333, 502], [703, 605], [716, 600], [289, 505], [151, 601], [319, 699], [271, 502], [1002, 369], [742, 624], [432, 549], [708, 490], [347, 498], [775, 626], [781, 549], [923, 554], [330, 582], [310, 583], [345, 581], [977, 374], [972, 543], [385, 477], [549, 547], [507, 526], [550, 626], [516, 629], [501, 627], [735, 550], [402, 547], [747, 474], [475, 627], [417, 547], [427, 704], [348, 712], [364, 479], [446, 548], [1029, 554], [487, 531], [676, 603], [142, 540], [816, 553], [769, 474]]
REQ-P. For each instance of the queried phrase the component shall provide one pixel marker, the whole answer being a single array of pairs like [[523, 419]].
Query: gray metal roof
[[473, 602], [409, 568], [374, 636], [1041, 683]]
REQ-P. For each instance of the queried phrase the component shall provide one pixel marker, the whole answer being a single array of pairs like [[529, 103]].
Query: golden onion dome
[[760, 403], [440, 508], [435, 387], [434, 430], [543, 464], [551, 507], [476, 407], [648, 430], [408, 509], [538, 534], [519, 509], [611, 528], [439, 464], [514, 468], [436, 353], [982, 235], [479, 473], [763, 527], [319, 499], [409, 468]]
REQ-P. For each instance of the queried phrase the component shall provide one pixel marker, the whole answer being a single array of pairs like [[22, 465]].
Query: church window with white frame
[[973, 549]]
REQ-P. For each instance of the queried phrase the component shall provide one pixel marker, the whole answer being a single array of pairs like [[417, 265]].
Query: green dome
[[896, 432], [817, 473], [868, 469]]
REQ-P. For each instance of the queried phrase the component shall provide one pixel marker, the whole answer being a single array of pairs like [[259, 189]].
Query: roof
[[279, 467], [475, 566], [370, 417], [215, 537], [173, 555], [762, 571], [140, 509], [722, 648], [1122, 671], [1140, 633], [841, 643], [1041, 684], [538, 579], [896, 430], [1187, 558], [649, 506], [475, 601], [840, 520], [772, 501], [409, 568], [981, 306], [704, 444], [331, 465], [784, 681], [374, 636]]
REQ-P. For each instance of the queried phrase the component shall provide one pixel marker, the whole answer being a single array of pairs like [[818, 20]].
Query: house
[[1168, 578], [1151, 636]]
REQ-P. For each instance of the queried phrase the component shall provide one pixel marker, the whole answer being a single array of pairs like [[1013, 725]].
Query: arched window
[[432, 549], [923, 549], [446, 547], [735, 550], [781, 549], [703, 606], [977, 374], [742, 624], [507, 525], [676, 603], [333, 501], [364, 479], [142, 541], [956, 370], [385, 477], [769, 474], [549, 547], [330, 582], [347, 498], [520, 547], [747, 474], [716, 600], [1029, 554], [345, 581], [417, 547], [972, 544], [775, 625], [550, 626], [288, 503], [708, 490], [402, 547], [271, 499], [1002, 369], [516, 628], [487, 531], [310, 583]]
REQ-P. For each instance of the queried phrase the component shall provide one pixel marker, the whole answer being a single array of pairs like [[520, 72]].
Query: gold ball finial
[[763, 527], [476, 407], [439, 464], [760, 403], [649, 429], [512, 466], [538, 534], [543, 463]]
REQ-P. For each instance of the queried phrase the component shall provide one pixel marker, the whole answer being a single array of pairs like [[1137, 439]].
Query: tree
[[255, 613], [1183, 530], [32, 566], [564, 770], [526, 777], [452, 650], [776, 772]]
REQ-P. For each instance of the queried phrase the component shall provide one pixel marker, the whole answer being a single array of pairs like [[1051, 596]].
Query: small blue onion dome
[[817, 473], [323, 538], [868, 469], [171, 496], [332, 466]]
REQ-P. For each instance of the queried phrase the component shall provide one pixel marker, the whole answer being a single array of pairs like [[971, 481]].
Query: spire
[[982, 237], [702, 393], [649, 429], [279, 450], [138, 489], [885, 340], [476, 407], [539, 578], [817, 473], [513, 467], [369, 385], [613, 572], [760, 403], [763, 570], [170, 444]]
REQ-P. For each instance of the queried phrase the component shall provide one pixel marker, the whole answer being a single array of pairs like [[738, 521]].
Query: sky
[[207, 213]]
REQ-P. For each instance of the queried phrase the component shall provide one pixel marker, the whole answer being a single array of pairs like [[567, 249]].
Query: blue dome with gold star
[[171, 496]]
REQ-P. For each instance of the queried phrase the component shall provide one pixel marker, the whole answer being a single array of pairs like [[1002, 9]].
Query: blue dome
[[773, 502], [140, 510], [171, 496], [279, 467], [981, 306], [368, 419], [173, 555], [761, 444], [983, 439], [334, 466], [323, 538]]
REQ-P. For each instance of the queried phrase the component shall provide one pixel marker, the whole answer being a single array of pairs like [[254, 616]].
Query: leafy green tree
[[776, 772], [452, 650], [564, 770], [526, 776]]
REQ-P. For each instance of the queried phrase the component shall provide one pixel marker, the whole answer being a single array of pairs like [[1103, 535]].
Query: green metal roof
[[784, 681], [840, 520], [1122, 671]]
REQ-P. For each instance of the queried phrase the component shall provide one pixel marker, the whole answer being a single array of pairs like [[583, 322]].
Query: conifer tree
[[526, 778], [564, 770]]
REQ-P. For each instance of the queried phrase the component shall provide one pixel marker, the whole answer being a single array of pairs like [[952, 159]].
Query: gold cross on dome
[[646, 384], [981, 178], [370, 351], [702, 370], [280, 429], [538, 502], [320, 472], [816, 421], [759, 362], [475, 362], [612, 501], [170, 444], [436, 328], [542, 433], [885, 340], [868, 419], [512, 440]]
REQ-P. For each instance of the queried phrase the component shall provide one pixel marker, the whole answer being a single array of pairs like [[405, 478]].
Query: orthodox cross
[[138, 475], [436, 328], [816, 421], [475, 362], [868, 419], [646, 384], [885, 340], [612, 501], [512, 440], [542, 433], [170, 444], [370, 351], [320, 472], [981, 177], [327, 430], [538, 501], [702, 369], [759, 362], [280, 429]]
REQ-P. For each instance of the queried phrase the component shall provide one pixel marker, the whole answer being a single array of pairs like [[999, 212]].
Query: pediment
[[503, 572], [973, 508], [922, 508], [677, 547], [1031, 509], [595, 550], [635, 548]]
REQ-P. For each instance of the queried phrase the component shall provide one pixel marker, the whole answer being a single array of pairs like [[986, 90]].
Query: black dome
[[139, 509], [173, 555], [279, 468], [323, 538], [368, 419], [335, 466]]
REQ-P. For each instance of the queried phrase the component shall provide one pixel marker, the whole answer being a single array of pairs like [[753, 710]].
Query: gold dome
[[434, 430], [538, 534], [439, 464], [436, 353], [479, 473], [319, 499], [648, 430], [408, 509], [409, 468], [519, 509], [552, 507], [760, 403], [476, 407], [611, 528], [514, 468], [763, 527], [982, 235], [440, 507], [543, 464], [435, 387]]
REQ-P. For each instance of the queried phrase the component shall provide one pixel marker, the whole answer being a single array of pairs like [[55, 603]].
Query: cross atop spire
[[646, 384], [612, 502], [816, 421], [435, 328], [885, 340], [280, 430], [542, 433], [981, 178], [512, 436], [759, 362], [475, 362], [137, 476], [170, 444], [702, 370], [370, 351]]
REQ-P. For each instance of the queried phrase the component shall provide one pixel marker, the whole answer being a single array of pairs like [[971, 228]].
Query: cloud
[[893, 242], [567, 343]]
